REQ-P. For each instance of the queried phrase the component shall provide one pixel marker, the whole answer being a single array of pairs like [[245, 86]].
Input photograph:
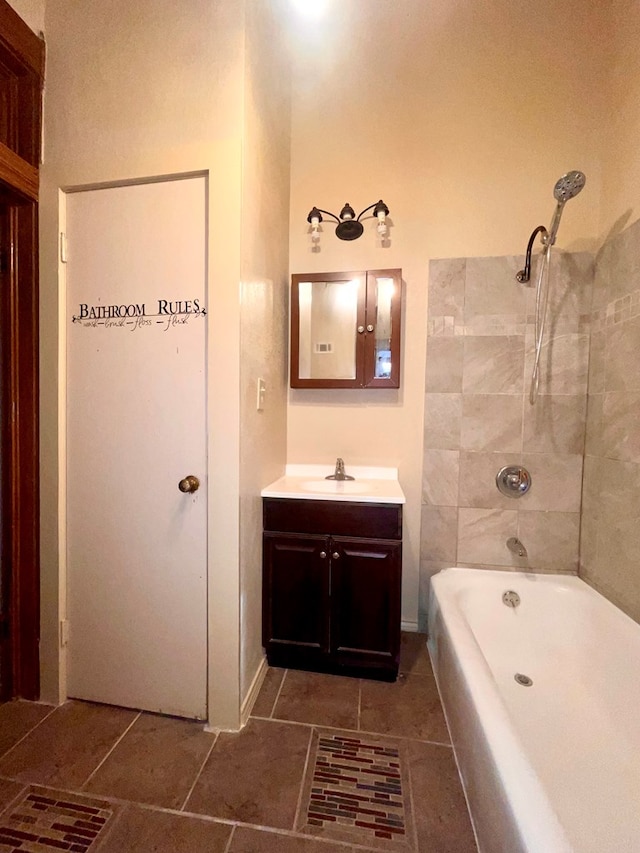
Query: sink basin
[[308, 482], [335, 487]]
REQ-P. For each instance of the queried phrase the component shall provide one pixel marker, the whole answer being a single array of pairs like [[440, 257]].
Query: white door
[[136, 428]]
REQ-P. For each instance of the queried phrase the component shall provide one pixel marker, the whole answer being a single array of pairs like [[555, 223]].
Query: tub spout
[[516, 547]]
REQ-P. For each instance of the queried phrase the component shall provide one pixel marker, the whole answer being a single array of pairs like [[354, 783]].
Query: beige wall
[[461, 116], [263, 327], [143, 90], [621, 124], [31, 12]]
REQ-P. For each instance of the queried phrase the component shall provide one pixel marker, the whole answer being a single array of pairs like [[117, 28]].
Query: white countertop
[[307, 482]]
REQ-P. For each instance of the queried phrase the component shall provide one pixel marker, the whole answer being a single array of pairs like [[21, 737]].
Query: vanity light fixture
[[349, 226]]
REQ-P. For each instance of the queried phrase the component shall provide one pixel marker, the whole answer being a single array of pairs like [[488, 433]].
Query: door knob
[[189, 484]]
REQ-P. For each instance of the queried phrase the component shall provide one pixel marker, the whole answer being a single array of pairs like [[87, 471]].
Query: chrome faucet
[[339, 474]]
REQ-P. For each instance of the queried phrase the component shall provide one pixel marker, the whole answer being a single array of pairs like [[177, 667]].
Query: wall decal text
[[136, 315]]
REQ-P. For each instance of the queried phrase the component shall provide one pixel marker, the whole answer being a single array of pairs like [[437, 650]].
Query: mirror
[[385, 290], [327, 322]]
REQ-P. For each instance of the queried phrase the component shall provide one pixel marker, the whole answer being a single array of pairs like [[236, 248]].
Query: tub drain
[[524, 680], [511, 598]]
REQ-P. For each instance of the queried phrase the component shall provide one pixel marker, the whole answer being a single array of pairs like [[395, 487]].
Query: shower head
[[566, 187]]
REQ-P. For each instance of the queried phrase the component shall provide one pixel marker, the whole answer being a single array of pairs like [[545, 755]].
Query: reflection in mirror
[[328, 316], [383, 330]]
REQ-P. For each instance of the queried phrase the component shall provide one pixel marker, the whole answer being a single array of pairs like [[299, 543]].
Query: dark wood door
[[365, 602], [296, 597]]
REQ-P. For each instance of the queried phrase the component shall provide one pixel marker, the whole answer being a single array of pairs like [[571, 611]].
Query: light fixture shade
[[380, 208], [347, 212]]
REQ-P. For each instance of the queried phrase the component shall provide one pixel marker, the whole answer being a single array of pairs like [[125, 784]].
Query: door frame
[[22, 56]]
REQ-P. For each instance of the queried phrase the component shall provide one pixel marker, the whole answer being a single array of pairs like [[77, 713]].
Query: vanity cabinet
[[345, 329], [331, 586]]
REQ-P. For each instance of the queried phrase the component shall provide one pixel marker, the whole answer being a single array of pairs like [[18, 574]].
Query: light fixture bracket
[[349, 229]]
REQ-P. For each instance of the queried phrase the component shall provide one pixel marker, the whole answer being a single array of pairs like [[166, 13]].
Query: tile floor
[[325, 765]]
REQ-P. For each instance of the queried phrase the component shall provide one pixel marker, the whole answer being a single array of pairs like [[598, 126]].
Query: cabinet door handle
[[335, 555], [360, 330], [323, 555], [369, 328]]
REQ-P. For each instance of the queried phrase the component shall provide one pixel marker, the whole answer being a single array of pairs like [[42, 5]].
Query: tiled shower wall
[[610, 544], [480, 349]]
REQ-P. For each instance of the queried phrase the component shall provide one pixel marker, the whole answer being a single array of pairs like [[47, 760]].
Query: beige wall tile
[[588, 542], [556, 482], [615, 567], [493, 365], [444, 364], [621, 425], [555, 424], [482, 535], [617, 498], [564, 363], [622, 347], [624, 263], [442, 414], [570, 291], [439, 533], [440, 477], [491, 287], [551, 539], [602, 276], [594, 427], [446, 288], [491, 422], [592, 484], [478, 472], [596, 362]]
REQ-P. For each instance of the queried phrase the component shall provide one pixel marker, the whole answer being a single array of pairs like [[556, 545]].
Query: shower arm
[[525, 274]]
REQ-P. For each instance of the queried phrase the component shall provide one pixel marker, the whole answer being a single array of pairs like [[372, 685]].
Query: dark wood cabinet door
[[295, 595], [365, 602]]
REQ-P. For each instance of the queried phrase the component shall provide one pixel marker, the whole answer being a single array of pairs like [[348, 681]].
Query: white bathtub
[[555, 766]]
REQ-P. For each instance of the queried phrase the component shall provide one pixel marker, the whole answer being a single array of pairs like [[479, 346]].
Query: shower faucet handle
[[514, 481]]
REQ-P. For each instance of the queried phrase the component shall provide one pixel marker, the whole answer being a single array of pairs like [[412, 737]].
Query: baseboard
[[252, 693], [409, 626]]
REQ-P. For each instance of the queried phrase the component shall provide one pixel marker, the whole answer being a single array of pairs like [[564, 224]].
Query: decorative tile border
[[617, 311], [356, 790], [44, 821], [484, 325], [494, 325]]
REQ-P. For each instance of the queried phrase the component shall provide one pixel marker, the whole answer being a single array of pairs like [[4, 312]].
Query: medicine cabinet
[[345, 329]]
